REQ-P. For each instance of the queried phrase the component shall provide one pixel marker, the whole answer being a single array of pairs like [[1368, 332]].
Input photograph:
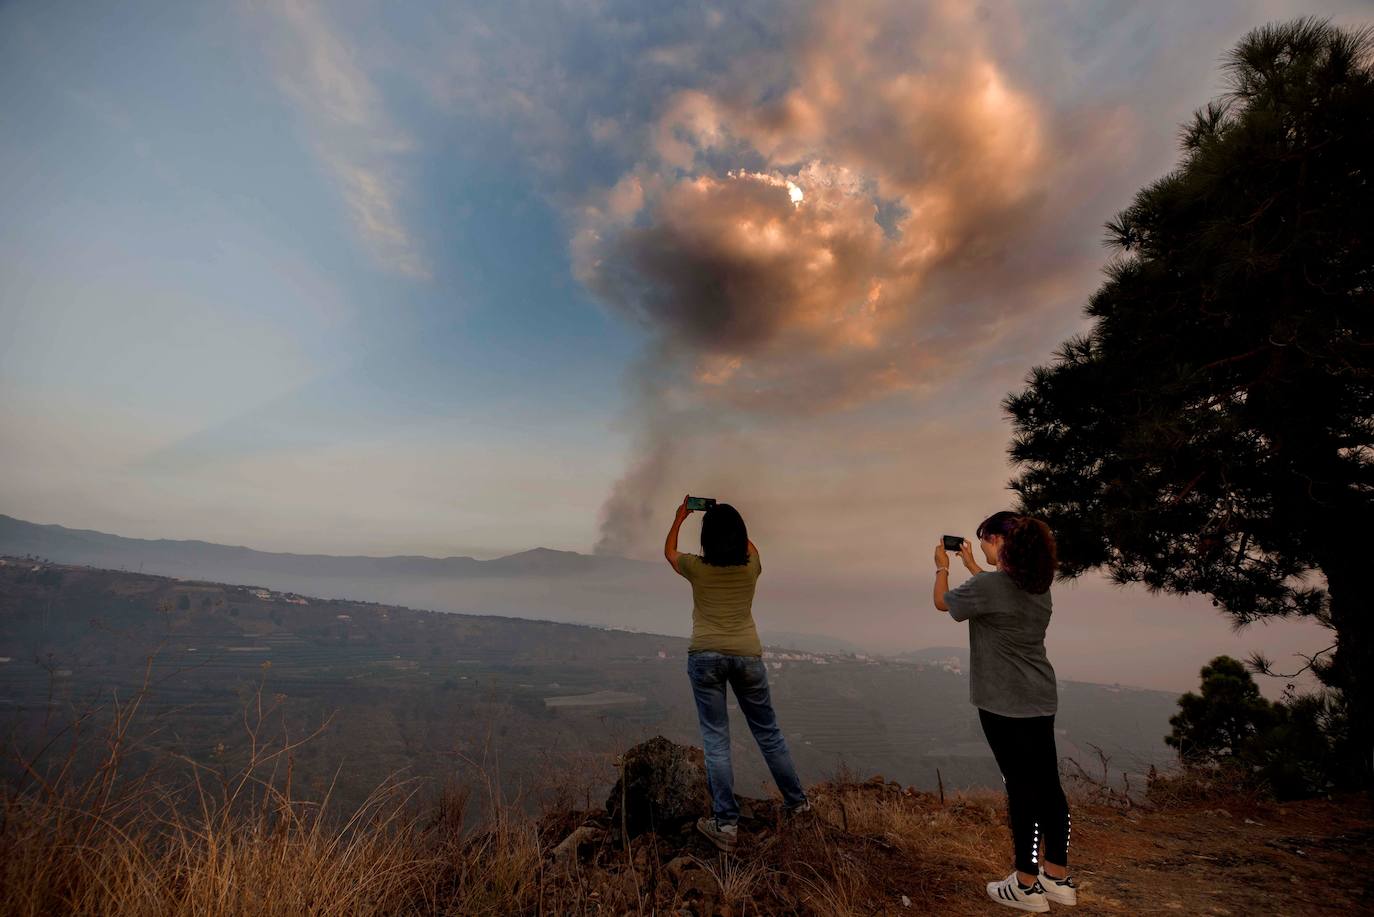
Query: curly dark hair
[[1029, 554], [724, 539]]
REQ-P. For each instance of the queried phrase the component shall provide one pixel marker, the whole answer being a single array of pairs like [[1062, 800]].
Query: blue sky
[[467, 278], [181, 260]]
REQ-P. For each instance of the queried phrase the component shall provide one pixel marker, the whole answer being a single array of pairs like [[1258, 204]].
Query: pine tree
[[1226, 721], [1213, 432]]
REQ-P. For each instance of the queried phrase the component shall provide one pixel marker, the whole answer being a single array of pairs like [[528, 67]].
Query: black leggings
[[1025, 753]]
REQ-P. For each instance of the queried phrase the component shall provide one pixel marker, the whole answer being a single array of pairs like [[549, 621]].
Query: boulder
[[662, 787]]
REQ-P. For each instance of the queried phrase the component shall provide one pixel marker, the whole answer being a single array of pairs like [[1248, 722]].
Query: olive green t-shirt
[[722, 605]]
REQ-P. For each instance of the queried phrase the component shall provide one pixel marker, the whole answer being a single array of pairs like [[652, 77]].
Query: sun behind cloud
[[810, 284]]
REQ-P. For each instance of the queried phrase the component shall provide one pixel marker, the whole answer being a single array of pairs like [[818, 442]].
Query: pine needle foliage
[[1213, 432]]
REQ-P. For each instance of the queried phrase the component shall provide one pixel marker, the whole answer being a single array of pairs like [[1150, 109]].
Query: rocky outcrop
[[662, 787]]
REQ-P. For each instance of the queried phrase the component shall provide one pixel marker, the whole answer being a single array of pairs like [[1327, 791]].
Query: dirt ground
[[1311, 857], [895, 852]]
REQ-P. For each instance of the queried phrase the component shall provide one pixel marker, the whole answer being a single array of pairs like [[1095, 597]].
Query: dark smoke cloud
[[815, 249], [729, 265]]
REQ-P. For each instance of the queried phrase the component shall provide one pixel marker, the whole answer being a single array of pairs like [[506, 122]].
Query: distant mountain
[[98, 549], [540, 583]]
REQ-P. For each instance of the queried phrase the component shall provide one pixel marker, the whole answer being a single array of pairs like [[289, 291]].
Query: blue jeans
[[710, 672]]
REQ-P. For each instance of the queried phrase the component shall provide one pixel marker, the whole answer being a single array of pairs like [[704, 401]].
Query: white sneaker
[[1010, 893], [1060, 891]]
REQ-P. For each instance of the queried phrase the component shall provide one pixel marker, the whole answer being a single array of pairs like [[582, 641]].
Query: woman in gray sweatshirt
[[1012, 684]]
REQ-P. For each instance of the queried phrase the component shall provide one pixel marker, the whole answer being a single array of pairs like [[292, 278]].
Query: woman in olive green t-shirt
[[725, 650]]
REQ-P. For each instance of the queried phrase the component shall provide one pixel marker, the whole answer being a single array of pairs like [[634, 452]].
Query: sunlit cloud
[[791, 250]]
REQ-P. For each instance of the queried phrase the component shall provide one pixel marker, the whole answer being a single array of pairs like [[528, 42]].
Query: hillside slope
[[404, 688]]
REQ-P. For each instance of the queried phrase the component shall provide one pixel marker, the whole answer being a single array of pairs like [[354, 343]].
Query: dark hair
[[1029, 555], [724, 539]]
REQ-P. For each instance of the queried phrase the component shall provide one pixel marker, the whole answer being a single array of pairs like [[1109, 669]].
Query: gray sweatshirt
[[1009, 673]]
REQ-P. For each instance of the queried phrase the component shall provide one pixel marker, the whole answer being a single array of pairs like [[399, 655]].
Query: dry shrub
[[1188, 787], [735, 878], [1099, 787]]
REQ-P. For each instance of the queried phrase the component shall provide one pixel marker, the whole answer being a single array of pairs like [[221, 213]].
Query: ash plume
[[815, 249]]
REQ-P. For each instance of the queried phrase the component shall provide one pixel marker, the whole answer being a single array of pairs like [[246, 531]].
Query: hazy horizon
[[468, 279], [1090, 648]]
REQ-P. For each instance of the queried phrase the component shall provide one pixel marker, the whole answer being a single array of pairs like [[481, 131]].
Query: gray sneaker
[[726, 837]]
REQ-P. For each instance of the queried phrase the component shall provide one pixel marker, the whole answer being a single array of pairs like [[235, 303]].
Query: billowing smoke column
[[799, 254]]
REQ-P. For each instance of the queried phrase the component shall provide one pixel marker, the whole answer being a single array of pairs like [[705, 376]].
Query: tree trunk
[[1320, 503], [1352, 671]]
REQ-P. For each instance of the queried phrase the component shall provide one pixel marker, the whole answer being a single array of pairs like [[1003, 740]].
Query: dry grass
[[909, 836], [1201, 786], [221, 841], [736, 878], [214, 839]]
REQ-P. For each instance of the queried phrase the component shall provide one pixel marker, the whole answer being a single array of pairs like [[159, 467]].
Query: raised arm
[[941, 576], [670, 551]]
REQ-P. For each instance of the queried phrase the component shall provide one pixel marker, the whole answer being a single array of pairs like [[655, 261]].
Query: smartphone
[[700, 503], [953, 542]]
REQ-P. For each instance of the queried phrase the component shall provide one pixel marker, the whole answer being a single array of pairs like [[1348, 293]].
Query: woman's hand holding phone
[[966, 555]]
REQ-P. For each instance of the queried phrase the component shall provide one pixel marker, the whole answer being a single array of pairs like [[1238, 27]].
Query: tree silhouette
[[1224, 722], [1213, 432]]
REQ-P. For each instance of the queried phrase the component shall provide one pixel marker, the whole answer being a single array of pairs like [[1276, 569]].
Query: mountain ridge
[[89, 546]]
